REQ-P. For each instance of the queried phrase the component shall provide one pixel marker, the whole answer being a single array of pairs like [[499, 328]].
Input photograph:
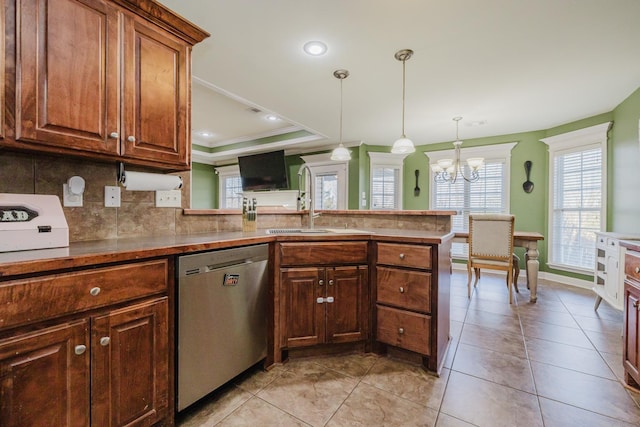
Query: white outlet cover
[[111, 196], [168, 199]]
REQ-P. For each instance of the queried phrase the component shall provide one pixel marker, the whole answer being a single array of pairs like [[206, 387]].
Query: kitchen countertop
[[88, 253]]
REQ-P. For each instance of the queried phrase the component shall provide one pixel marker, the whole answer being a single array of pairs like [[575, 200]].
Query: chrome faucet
[[309, 197]]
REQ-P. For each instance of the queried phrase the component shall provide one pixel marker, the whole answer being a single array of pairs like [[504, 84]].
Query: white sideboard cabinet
[[608, 278]]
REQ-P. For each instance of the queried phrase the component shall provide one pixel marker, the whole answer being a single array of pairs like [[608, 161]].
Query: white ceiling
[[514, 65]]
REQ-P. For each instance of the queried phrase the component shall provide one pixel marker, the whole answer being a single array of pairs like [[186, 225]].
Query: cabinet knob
[[635, 304], [401, 256], [637, 270], [131, 138], [320, 282], [95, 291], [331, 282], [401, 330], [113, 135], [104, 341], [80, 349], [401, 290]]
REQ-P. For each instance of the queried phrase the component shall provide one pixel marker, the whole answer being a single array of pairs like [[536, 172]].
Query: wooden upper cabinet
[[2, 73], [156, 95], [68, 83], [103, 79]]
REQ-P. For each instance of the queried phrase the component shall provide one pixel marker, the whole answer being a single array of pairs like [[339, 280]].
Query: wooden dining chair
[[491, 247]]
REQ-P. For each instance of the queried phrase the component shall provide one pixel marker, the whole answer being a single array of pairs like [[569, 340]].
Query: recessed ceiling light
[[272, 117], [205, 133], [315, 48]]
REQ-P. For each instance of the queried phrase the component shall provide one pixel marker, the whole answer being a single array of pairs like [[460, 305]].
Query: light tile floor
[[554, 363]]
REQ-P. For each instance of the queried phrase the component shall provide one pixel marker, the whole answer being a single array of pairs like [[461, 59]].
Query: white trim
[[227, 170], [395, 161], [321, 164], [591, 135], [542, 275], [569, 142], [266, 134]]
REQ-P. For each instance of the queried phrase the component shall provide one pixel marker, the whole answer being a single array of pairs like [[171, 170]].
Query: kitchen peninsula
[[95, 310]]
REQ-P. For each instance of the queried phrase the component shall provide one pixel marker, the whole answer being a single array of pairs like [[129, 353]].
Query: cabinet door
[[631, 331], [43, 379], [156, 95], [305, 316], [68, 76], [346, 315], [130, 367]]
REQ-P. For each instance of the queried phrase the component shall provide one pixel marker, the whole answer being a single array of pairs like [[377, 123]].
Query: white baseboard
[[552, 277]]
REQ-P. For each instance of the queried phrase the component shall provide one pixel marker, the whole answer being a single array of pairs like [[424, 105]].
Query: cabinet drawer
[[404, 288], [404, 329], [632, 265], [404, 255], [30, 300], [323, 253]]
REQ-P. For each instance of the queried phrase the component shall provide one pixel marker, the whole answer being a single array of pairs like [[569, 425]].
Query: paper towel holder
[[122, 175]]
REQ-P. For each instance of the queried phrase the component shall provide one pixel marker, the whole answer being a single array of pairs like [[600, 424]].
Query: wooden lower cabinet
[[129, 365], [412, 299], [87, 347], [324, 304], [106, 370], [44, 377], [631, 350]]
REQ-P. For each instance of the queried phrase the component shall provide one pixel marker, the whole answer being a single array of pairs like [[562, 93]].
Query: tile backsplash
[[136, 216]]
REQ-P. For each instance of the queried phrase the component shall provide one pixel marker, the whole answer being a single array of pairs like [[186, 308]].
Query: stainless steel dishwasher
[[222, 318]]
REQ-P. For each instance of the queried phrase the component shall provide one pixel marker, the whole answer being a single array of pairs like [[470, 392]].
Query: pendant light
[[340, 153], [403, 145]]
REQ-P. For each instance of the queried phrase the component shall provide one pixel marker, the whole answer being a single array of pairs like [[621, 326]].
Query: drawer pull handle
[[131, 138], [95, 291], [320, 282], [401, 290], [637, 270], [401, 331], [79, 349], [635, 304], [401, 256], [104, 341], [113, 135], [331, 282]]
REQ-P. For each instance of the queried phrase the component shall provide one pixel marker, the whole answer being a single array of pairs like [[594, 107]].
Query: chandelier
[[448, 170]]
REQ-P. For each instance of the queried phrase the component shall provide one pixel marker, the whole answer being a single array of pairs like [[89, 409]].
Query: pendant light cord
[[341, 111], [403, 91]]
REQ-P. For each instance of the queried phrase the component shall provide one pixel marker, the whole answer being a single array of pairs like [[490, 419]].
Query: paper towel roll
[[142, 181]]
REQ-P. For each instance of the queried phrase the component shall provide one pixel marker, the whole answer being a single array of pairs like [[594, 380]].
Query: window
[[490, 194], [386, 180], [230, 187], [577, 191], [329, 181]]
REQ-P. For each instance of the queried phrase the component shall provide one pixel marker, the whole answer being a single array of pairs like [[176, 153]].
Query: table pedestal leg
[[532, 272]]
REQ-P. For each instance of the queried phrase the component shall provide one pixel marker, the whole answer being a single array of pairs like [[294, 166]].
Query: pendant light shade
[[340, 153], [403, 145]]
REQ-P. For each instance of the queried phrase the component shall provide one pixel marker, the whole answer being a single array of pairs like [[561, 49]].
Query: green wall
[[624, 168], [204, 185]]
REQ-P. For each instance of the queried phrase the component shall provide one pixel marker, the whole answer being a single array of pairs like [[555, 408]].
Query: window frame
[[387, 160], [321, 164], [573, 142], [224, 173]]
